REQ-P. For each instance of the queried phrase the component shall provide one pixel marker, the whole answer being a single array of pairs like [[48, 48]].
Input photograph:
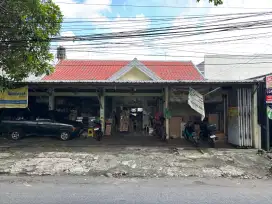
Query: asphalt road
[[86, 190]]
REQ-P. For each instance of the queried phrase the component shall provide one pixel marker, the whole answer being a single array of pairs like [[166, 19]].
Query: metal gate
[[240, 125], [244, 96]]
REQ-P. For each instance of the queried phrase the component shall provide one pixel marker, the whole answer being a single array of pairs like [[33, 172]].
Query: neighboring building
[[236, 67], [201, 68]]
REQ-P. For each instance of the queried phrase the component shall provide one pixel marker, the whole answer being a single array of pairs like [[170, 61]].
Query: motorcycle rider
[[204, 128]]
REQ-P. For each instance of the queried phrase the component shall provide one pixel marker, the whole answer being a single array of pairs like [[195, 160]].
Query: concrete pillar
[[166, 106], [51, 100], [225, 102], [145, 106], [256, 129], [102, 111]]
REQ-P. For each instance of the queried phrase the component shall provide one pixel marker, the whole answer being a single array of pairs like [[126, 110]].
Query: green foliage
[[215, 2], [25, 29]]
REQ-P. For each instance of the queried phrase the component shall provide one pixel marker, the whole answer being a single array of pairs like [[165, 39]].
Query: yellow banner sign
[[14, 98], [233, 112]]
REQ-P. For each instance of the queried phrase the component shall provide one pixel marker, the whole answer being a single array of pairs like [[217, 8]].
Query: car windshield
[[16, 114]]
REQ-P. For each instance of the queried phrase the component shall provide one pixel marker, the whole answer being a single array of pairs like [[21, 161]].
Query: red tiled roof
[[103, 69], [174, 70]]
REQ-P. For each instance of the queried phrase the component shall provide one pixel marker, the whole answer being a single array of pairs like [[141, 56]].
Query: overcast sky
[[105, 16]]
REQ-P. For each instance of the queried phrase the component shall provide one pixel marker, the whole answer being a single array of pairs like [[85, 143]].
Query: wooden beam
[[75, 94], [134, 94]]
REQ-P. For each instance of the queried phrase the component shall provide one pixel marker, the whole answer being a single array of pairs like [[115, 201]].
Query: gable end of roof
[[134, 64]]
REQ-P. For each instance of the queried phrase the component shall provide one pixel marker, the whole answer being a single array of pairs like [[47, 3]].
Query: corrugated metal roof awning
[[106, 82]]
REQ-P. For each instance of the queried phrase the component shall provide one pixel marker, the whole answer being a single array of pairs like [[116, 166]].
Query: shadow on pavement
[[89, 144]]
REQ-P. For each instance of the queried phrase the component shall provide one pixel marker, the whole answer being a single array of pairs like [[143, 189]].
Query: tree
[[215, 2], [25, 31]]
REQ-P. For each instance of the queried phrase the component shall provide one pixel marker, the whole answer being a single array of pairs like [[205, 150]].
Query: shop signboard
[[233, 111], [14, 98], [268, 97], [269, 112], [268, 80], [268, 91], [196, 102]]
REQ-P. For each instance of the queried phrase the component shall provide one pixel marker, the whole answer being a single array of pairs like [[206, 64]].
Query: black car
[[25, 124]]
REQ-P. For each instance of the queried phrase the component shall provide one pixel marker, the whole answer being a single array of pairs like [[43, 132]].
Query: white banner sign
[[196, 102]]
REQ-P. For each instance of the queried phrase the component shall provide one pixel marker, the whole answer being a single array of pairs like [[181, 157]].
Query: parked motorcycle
[[160, 132], [190, 134], [159, 128], [207, 133], [97, 128]]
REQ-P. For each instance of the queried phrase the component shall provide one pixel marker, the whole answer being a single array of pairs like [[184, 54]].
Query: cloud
[[125, 48], [166, 47], [195, 47], [72, 9], [252, 46]]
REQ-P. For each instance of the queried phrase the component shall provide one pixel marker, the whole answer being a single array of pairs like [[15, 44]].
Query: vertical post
[[144, 113], [256, 131], [267, 132], [102, 110], [225, 114], [51, 100], [166, 107]]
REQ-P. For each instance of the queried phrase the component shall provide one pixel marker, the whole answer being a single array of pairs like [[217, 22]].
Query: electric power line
[[157, 6], [173, 56], [161, 32]]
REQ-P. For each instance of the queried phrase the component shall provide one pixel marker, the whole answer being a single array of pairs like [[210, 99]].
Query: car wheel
[[16, 135], [64, 136]]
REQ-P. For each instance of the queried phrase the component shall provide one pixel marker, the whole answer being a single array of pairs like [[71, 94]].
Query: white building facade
[[236, 67]]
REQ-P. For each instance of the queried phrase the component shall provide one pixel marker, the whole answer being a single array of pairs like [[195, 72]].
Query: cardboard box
[[175, 127], [108, 130]]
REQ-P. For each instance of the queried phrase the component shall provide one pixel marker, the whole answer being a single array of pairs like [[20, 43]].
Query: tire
[[99, 136], [64, 136], [16, 135], [212, 143], [201, 136], [163, 138], [194, 141], [185, 136]]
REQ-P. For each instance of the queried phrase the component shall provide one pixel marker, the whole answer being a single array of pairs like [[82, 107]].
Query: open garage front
[[127, 109], [228, 108], [214, 109], [133, 115]]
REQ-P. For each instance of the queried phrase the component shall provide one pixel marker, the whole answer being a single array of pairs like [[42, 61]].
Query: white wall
[[235, 67], [134, 75], [181, 109]]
